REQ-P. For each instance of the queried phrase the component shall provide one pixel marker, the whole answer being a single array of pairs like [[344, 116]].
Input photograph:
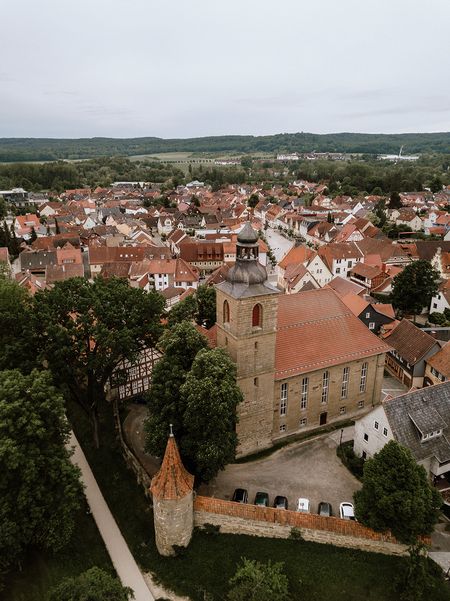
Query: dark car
[[240, 495], [280, 502], [325, 509], [262, 498]]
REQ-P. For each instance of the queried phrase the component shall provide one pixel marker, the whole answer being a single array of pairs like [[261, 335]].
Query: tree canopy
[[199, 307], [93, 585], [180, 346], [396, 495], [40, 489], [85, 329], [16, 343], [413, 288], [255, 581], [208, 440]]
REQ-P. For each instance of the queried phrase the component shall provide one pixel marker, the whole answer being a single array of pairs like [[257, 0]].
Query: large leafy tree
[[255, 581], [396, 495], [206, 299], [166, 406], [39, 487], [199, 307], [85, 329], [210, 394], [93, 585], [413, 288], [16, 342]]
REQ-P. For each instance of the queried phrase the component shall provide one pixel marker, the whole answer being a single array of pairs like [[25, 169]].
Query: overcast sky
[[182, 68]]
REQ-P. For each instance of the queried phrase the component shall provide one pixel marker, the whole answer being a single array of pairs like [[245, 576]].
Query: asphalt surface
[[308, 469]]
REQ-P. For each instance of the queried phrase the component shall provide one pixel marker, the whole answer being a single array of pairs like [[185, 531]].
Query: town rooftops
[[342, 286], [441, 361], [326, 331], [418, 413], [410, 342]]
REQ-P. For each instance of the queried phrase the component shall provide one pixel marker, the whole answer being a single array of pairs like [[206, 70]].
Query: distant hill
[[46, 149]]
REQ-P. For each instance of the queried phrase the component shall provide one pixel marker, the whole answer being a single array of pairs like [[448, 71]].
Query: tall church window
[[283, 398], [257, 316], [362, 383], [304, 394], [226, 312], [325, 385], [345, 378]]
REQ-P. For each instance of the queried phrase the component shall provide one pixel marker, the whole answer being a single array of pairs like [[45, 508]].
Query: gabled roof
[[326, 331], [441, 361], [410, 342], [342, 286], [298, 254], [424, 409]]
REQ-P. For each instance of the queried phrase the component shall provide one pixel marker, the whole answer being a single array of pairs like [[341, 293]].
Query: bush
[[295, 534], [353, 463]]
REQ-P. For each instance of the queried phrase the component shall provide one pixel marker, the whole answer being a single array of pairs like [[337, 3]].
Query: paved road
[[278, 243], [121, 557]]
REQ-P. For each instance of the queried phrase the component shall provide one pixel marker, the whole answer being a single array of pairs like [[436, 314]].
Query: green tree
[[255, 581], [40, 489], [166, 406], [436, 184], [206, 299], [93, 585], [210, 394], [3, 208], [85, 329], [397, 496], [253, 200], [16, 341], [33, 236], [413, 288], [395, 202], [185, 310]]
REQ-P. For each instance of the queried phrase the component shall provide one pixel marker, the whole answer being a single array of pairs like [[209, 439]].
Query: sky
[[188, 68]]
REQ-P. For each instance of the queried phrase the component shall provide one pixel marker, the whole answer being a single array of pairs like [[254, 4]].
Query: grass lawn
[[316, 572], [41, 571]]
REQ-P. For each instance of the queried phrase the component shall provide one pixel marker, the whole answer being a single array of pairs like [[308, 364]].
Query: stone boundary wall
[[237, 518]]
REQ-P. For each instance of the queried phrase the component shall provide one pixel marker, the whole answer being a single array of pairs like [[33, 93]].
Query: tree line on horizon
[[49, 149]]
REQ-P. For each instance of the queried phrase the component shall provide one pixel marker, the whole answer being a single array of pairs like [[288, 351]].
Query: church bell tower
[[246, 320]]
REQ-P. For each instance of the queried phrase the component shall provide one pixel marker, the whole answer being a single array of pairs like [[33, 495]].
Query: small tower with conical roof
[[172, 489], [247, 307]]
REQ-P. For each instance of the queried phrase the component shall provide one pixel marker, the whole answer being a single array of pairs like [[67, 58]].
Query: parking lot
[[308, 469]]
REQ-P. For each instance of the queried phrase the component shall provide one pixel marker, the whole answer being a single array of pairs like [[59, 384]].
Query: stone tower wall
[[174, 523], [253, 351]]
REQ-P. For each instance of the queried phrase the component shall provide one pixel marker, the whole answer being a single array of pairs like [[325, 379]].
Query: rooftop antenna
[[171, 430]]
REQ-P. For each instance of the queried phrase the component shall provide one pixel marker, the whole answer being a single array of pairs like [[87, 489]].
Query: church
[[303, 360]]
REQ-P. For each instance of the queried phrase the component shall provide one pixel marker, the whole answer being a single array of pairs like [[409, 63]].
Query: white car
[[347, 511], [303, 505]]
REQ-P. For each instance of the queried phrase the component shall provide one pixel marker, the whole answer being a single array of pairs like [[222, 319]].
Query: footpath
[[121, 557]]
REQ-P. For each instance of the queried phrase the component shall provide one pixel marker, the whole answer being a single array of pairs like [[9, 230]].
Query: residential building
[[419, 421], [410, 348], [437, 368]]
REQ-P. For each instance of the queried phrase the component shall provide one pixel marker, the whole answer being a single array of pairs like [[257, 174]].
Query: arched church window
[[257, 316], [226, 312]]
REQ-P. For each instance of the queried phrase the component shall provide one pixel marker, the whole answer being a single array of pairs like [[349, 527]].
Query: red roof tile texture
[[173, 481], [316, 330]]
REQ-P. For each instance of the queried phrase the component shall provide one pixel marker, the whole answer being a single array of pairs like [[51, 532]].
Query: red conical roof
[[172, 481]]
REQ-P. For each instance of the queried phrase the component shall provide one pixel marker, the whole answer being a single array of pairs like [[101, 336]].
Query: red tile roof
[[173, 481], [322, 331]]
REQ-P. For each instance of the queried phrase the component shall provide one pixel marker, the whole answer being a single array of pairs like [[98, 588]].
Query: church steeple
[[248, 269]]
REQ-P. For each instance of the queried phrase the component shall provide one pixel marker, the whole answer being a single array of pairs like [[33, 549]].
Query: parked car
[[325, 509], [262, 498], [347, 511], [240, 495], [303, 505], [280, 502]]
